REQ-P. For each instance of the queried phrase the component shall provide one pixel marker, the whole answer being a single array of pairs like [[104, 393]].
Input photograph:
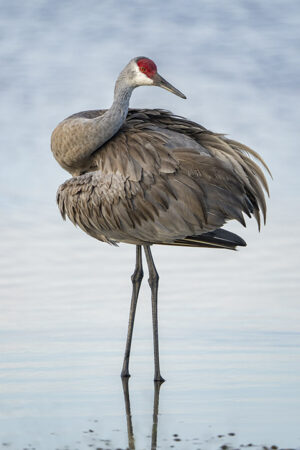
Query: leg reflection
[[131, 440], [157, 385]]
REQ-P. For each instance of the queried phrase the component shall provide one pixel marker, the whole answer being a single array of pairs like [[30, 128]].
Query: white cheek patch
[[141, 78]]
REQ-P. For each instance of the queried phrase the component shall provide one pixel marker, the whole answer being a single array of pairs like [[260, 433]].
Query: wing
[[162, 178]]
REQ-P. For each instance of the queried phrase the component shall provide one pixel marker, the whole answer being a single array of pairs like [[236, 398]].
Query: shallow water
[[229, 321]]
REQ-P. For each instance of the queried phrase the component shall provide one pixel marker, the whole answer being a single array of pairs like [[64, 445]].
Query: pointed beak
[[161, 82]]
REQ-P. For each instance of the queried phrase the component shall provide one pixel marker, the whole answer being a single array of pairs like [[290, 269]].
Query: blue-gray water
[[229, 321]]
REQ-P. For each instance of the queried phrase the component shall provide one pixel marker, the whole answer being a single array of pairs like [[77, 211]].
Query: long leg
[[153, 283], [136, 279]]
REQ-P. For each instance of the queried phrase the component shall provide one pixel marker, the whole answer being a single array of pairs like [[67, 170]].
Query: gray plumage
[[149, 177], [159, 179]]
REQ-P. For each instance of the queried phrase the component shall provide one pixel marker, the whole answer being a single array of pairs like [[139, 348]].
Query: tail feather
[[214, 239]]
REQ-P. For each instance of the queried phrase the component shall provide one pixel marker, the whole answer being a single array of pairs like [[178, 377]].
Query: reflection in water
[[131, 440], [157, 385]]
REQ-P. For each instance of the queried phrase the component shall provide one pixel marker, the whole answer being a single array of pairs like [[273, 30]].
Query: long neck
[[75, 139], [102, 128], [108, 124]]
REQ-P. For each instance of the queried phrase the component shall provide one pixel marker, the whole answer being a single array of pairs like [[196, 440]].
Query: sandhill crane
[[146, 176]]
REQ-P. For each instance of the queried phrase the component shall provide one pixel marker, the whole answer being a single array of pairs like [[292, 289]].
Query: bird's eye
[[143, 69]]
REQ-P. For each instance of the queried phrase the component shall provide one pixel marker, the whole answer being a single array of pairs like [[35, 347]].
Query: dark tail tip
[[214, 239], [228, 237], [222, 238]]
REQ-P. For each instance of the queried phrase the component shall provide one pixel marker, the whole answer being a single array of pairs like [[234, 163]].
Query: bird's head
[[142, 71]]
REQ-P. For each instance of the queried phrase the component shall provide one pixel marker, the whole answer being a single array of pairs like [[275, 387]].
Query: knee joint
[[153, 278], [137, 276]]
